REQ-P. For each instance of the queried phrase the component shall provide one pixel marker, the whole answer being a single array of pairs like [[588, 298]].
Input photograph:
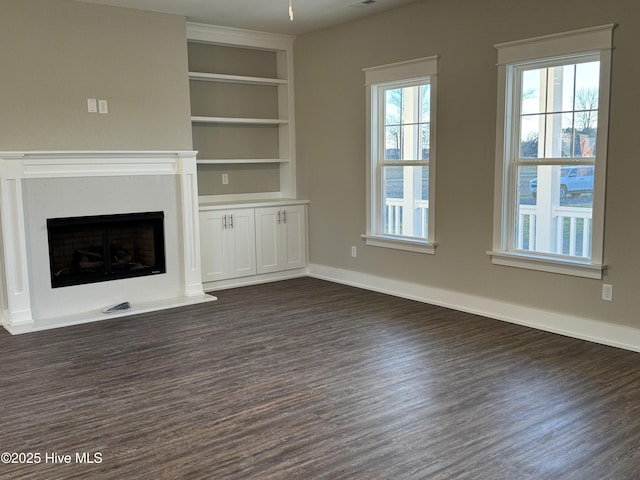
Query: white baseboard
[[585, 329], [253, 280]]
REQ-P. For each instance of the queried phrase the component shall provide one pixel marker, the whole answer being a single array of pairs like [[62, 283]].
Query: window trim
[[380, 76], [596, 40]]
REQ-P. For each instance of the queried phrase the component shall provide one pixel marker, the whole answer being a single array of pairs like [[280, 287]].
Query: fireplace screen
[[105, 247]]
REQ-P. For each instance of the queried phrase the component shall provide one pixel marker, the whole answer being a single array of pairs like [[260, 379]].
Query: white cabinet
[[280, 238], [262, 243], [227, 243]]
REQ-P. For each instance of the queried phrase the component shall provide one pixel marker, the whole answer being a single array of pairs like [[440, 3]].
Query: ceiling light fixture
[[291, 10]]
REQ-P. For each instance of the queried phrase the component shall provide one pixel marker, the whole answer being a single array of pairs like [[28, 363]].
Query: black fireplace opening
[[105, 247]]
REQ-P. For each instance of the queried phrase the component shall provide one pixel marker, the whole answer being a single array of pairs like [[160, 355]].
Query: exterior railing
[[569, 233], [394, 213]]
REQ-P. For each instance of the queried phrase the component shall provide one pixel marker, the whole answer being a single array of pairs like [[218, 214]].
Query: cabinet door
[[294, 237], [213, 245], [281, 238], [268, 222], [241, 253]]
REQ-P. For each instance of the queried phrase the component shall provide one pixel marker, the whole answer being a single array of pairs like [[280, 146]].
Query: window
[[551, 152], [401, 150]]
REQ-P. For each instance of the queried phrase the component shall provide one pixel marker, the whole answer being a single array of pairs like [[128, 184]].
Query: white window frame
[[512, 55], [401, 74]]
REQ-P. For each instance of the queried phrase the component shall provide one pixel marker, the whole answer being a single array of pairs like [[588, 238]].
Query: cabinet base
[[254, 279]]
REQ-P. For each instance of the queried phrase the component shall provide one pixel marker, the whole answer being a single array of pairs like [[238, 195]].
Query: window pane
[[392, 143], [405, 201], [560, 85], [588, 79], [586, 138], [392, 106], [407, 114], [425, 103], [531, 135], [410, 142], [532, 82], [559, 135], [559, 106], [411, 107], [407, 142], [554, 209], [425, 141], [587, 95]]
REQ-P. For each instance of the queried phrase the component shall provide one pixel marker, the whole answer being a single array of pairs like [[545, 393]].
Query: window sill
[[400, 243], [543, 263]]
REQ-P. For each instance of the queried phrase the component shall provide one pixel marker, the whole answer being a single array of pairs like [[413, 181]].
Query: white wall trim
[[548, 264], [238, 36], [582, 328], [558, 44], [395, 72], [254, 279]]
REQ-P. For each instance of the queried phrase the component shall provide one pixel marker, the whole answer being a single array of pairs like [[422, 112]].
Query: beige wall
[[330, 116], [54, 54]]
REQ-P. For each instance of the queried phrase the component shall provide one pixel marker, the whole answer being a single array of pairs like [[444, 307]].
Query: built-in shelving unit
[[241, 86], [252, 226]]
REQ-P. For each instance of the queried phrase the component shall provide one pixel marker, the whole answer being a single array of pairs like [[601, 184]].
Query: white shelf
[[224, 161], [223, 78], [240, 121]]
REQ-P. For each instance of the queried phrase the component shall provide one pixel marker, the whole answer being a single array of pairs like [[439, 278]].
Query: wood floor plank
[[306, 379]]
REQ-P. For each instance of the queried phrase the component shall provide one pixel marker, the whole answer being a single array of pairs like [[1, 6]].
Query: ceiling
[[264, 15]]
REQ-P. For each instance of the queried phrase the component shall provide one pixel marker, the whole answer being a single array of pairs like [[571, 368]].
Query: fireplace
[[45, 195], [105, 247]]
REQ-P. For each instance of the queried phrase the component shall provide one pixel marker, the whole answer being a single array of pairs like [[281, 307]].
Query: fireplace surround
[[37, 186]]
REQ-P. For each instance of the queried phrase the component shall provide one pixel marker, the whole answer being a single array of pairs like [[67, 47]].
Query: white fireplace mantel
[[19, 294]]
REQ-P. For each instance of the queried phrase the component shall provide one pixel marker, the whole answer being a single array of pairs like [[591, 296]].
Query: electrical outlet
[[225, 179], [354, 252], [103, 107], [607, 292]]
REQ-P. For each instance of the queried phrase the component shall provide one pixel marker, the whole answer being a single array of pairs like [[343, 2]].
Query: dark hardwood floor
[[306, 379]]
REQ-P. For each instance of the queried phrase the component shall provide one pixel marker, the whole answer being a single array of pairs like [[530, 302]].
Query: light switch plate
[[92, 105]]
